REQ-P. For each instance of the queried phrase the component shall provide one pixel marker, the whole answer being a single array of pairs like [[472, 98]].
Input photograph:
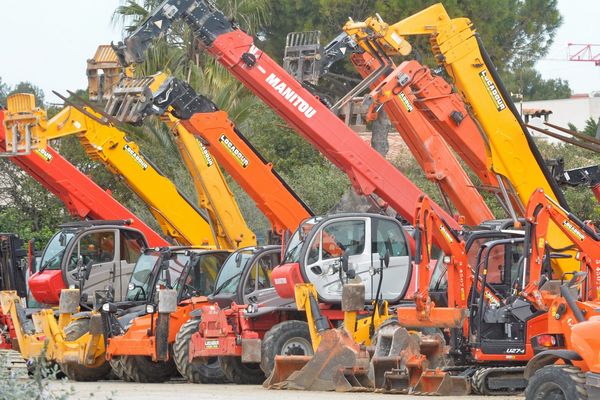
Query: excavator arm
[[368, 171], [541, 211], [424, 141], [80, 195], [135, 99]]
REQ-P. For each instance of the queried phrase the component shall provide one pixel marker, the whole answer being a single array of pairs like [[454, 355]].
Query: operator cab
[[93, 254], [314, 255], [474, 239], [190, 271], [246, 278]]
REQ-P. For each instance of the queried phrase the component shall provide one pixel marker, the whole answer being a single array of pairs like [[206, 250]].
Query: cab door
[[97, 249], [130, 246], [323, 258], [365, 240], [257, 287]]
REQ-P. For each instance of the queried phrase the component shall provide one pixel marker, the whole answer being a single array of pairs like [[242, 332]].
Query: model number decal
[[235, 152], [515, 350], [492, 90], [211, 344], [136, 157]]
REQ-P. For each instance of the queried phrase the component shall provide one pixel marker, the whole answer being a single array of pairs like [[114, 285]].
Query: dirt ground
[[178, 390]]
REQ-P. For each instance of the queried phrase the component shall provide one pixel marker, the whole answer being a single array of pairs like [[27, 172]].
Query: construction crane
[[584, 52]]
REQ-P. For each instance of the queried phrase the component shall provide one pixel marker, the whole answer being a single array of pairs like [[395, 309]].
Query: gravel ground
[[178, 390]]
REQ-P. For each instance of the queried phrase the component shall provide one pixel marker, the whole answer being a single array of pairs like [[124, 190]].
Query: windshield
[[141, 279], [231, 272], [292, 250], [173, 277], [52, 257], [201, 276]]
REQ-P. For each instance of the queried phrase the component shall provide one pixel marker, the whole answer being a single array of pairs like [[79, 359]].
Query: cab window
[[132, 244], [343, 236], [203, 274], [94, 248], [260, 275], [387, 236]]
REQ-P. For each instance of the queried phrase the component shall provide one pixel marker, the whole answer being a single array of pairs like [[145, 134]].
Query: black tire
[[196, 371], [78, 372], [291, 338], [557, 382], [118, 368], [142, 369], [241, 373]]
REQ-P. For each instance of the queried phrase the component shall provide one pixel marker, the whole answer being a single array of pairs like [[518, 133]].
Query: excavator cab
[[90, 256]]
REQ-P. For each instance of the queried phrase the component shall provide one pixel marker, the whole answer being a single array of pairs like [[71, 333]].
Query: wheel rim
[[551, 391], [297, 346]]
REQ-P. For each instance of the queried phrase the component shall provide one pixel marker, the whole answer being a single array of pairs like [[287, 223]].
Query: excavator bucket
[[339, 364], [411, 363]]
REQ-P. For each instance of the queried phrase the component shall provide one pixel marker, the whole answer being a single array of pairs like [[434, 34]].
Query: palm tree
[[177, 53]]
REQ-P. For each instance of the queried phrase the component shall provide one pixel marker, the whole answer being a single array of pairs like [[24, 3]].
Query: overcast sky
[[48, 42]]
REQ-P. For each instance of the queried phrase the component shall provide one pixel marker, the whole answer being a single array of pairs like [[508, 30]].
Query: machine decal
[[446, 234], [239, 156], [492, 90], [211, 344], [405, 102], [136, 157], [206, 154], [291, 96], [44, 154], [574, 230]]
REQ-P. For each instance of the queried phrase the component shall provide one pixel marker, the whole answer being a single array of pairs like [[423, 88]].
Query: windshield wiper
[[45, 265], [227, 282]]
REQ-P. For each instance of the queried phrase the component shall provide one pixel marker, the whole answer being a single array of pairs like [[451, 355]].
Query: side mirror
[[345, 262], [386, 259], [62, 239], [87, 270]]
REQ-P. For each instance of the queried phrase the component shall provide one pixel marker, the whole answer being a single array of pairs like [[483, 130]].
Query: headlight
[[131, 286], [446, 259], [150, 308], [251, 308], [106, 307]]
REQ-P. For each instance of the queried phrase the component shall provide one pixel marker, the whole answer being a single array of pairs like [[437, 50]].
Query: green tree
[[532, 86], [591, 127]]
